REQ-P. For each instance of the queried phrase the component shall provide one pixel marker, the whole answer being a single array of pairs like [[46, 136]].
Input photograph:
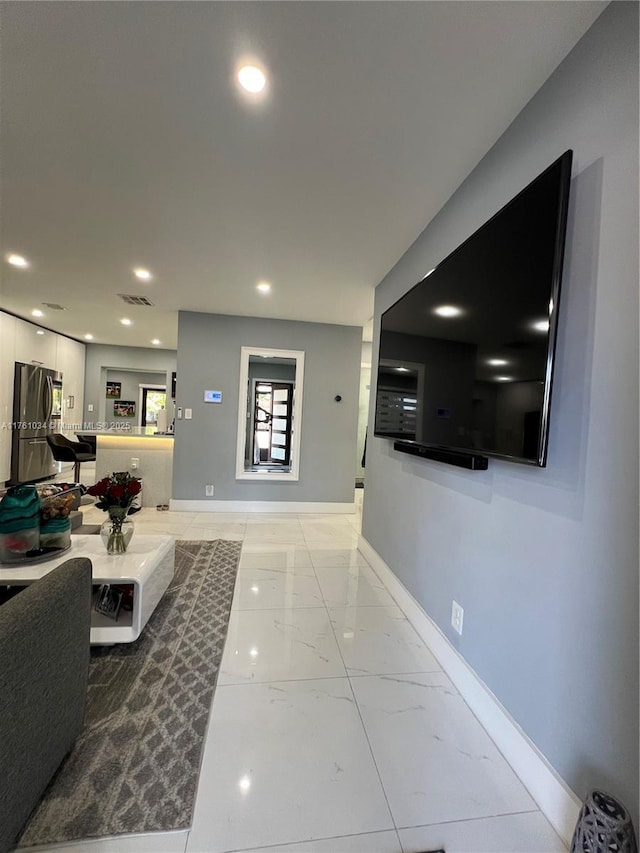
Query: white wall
[[545, 561], [70, 357]]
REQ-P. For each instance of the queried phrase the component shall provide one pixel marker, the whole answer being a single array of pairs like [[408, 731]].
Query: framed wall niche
[[269, 414]]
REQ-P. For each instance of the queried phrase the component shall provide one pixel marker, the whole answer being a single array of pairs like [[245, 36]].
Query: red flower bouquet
[[115, 494], [116, 490]]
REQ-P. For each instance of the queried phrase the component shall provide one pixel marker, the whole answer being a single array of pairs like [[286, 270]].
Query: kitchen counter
[[140, 450], [138, 432]]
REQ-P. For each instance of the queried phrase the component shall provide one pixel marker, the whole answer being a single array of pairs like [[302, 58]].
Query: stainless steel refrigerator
[[37, 398]]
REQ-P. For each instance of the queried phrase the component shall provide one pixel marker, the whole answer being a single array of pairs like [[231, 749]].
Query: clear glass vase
[[117, 530]]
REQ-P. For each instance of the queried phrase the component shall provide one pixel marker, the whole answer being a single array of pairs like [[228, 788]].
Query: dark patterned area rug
[[135, 766]]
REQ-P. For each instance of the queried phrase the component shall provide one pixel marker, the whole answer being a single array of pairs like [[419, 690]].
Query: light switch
[[188, 414], [90, 407]]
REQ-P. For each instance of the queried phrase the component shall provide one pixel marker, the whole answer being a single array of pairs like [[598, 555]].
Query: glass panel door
[[272, 415], [280, 449], [153, 399]]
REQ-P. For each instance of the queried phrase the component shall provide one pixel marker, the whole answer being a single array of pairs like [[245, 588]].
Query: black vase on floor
[[604, 826]]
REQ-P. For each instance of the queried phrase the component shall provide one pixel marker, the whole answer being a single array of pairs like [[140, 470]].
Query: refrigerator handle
[[20, 393], [47, 399]]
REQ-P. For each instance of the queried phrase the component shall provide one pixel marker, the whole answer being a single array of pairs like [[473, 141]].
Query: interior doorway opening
[[153, 398]]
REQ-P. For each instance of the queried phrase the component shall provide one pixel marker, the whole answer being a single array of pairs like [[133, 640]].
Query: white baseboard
[[262, 506], [555, 799]]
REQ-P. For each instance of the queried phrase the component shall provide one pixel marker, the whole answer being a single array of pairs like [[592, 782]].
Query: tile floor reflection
[[333, 728]]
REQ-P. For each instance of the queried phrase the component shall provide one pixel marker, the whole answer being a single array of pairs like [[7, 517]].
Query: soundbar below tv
[[466, 356], [451, 457]]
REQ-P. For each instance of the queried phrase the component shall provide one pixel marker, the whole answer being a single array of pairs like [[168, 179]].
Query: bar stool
[[64, 450]]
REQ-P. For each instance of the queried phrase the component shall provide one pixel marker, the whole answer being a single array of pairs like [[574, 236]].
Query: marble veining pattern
[[528, 832], [419, 725], [260, 589], [280, 644], [359, 587], [286, 754], [375, 640]]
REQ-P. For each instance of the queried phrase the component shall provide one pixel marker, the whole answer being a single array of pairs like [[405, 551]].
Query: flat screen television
[[466, 356]]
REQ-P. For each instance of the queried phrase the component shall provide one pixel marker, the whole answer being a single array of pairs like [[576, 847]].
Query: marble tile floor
[[333, 728]]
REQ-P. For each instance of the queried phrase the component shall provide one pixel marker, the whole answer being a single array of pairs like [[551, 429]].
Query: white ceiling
[[125, 142]]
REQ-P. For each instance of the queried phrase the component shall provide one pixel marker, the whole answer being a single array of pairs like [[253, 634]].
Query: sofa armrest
[[44, 662]]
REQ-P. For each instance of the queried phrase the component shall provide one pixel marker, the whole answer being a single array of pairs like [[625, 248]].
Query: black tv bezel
[[565, 161]]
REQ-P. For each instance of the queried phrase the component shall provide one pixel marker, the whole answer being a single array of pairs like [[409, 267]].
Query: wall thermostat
[[213, 396]]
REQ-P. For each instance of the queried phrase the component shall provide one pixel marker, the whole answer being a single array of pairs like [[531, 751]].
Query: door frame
[[244, 418], [141, 395]]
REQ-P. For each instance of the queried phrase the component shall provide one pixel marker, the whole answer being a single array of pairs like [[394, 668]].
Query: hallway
[[333, 729]]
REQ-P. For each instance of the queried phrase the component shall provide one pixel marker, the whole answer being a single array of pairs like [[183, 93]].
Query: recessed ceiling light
[[263, 286], [17, 261], [142, 274], [155, 342], [37, 313], [504, 378], [447, 311], [39, 332], [252, 79], [126, 321], [541, 326], [88, 336], [497, 362], [402, 369]]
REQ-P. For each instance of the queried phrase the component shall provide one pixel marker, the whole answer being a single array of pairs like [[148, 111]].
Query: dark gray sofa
[[44, 662]]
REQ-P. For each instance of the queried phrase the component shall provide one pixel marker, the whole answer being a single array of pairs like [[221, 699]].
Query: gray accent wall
[[205, 447], [545, 561]]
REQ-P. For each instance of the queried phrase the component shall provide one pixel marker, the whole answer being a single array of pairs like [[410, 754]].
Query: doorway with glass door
[[153, 400], [272, 424]]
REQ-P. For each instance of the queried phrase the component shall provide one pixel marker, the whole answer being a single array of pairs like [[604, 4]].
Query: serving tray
[[41, 557]]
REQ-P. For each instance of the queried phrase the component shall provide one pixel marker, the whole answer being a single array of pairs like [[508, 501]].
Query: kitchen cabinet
[[34, 348], [70, 362], [20, 341], [7, 359]]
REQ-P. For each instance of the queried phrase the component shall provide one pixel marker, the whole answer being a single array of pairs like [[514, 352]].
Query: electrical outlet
[[90, 407], [457, 615], [208, 490], [135, 463]]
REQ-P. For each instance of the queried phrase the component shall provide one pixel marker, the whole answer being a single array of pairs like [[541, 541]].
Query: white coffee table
[[147, 565]]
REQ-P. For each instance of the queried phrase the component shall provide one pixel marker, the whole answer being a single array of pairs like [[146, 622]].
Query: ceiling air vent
[[54, 306], [135, 300]]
